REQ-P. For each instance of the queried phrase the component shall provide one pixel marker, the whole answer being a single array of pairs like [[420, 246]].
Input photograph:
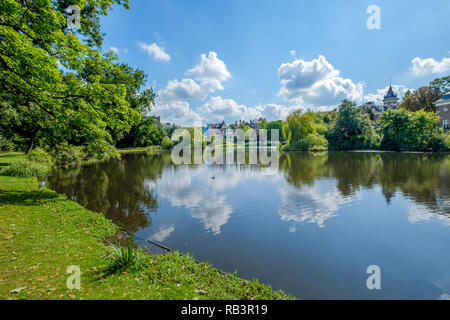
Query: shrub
[[315, 141], [25, 168], [6, 145], [123, 258], [40, 156], [447, 141], [66, 156], [166, 143]]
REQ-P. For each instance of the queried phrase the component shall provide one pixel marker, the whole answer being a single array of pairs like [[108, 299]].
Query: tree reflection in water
[[421, 177], [117, 189], [124, 190]]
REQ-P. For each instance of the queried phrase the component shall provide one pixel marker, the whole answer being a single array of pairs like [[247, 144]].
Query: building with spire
[[390, 100]]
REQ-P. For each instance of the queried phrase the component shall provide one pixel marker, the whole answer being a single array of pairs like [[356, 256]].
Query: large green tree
[[35, 47], [275, 125], [305, 131], [406, 130], [121, 74], [352, 130]]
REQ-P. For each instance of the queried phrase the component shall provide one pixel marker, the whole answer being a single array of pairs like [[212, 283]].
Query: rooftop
[[390, 93]]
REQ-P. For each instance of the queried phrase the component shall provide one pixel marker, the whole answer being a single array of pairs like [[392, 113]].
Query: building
[[216, 129], [442, 109], [390, 100], [377, 109]]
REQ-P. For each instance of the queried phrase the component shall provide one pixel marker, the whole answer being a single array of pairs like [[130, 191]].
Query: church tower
[[390, 100]]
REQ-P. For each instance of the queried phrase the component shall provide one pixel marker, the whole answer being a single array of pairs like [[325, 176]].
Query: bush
[[123, 259], [40, 156], [66, 156], [315, 141], [166, 143], [26, 169], [6, 145], [447, 141]]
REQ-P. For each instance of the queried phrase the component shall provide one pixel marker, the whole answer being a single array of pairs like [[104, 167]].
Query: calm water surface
[[311, 228]]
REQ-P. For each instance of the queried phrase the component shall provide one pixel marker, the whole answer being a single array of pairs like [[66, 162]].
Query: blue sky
[[268, 58]]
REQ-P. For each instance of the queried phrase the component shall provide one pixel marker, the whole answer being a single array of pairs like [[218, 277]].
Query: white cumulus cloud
[[178, 112], [185, 89], [218, 109], [211, 72], [208, 75], [155, 51], [422, 67], [316, 83]]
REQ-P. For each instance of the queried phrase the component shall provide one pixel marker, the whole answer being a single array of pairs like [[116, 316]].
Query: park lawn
[[42, 233]]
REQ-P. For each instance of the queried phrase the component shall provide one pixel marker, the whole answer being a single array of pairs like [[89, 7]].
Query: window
[[445, 123], [445, 109]]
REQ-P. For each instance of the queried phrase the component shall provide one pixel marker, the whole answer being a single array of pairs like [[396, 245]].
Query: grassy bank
[[42, 234]]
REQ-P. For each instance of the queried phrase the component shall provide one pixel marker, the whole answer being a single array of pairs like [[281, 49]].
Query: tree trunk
[[30, 145]]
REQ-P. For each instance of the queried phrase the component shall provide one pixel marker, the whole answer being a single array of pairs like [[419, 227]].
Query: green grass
[[42, 234]]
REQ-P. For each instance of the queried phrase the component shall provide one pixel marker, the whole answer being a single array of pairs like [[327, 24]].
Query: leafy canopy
[[41, 67], [353, 129]]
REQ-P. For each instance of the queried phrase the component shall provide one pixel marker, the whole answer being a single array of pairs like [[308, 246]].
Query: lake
[[312, 227]]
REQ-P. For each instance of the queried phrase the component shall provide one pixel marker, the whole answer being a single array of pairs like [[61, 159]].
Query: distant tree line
[[413, 126]]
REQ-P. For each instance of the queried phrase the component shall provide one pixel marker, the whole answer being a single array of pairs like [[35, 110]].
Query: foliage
[[21, 124], [305, 131], [39, 156], [166, 143], [263, 123], [6, 145], [122, 259], [405, 130], [147, 133], [65, 155], [443, 84], [353, 129], [89, 16], [275, 125], [58, 105], [121, 74], [422, 98], [371, 112], [314, 141], [447, 141], [26, 169]]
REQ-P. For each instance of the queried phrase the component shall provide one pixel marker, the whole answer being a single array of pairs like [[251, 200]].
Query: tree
[[147, 133], [262, 123], [353, 129], [406, 130], [275, 125], [34, 44], [90, 13], [121, 74], [422, 98], [305, 131], [371, 112], [443, 84], [19, 124]]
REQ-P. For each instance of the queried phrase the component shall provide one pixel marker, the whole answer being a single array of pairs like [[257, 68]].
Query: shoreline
[[44, 232]]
